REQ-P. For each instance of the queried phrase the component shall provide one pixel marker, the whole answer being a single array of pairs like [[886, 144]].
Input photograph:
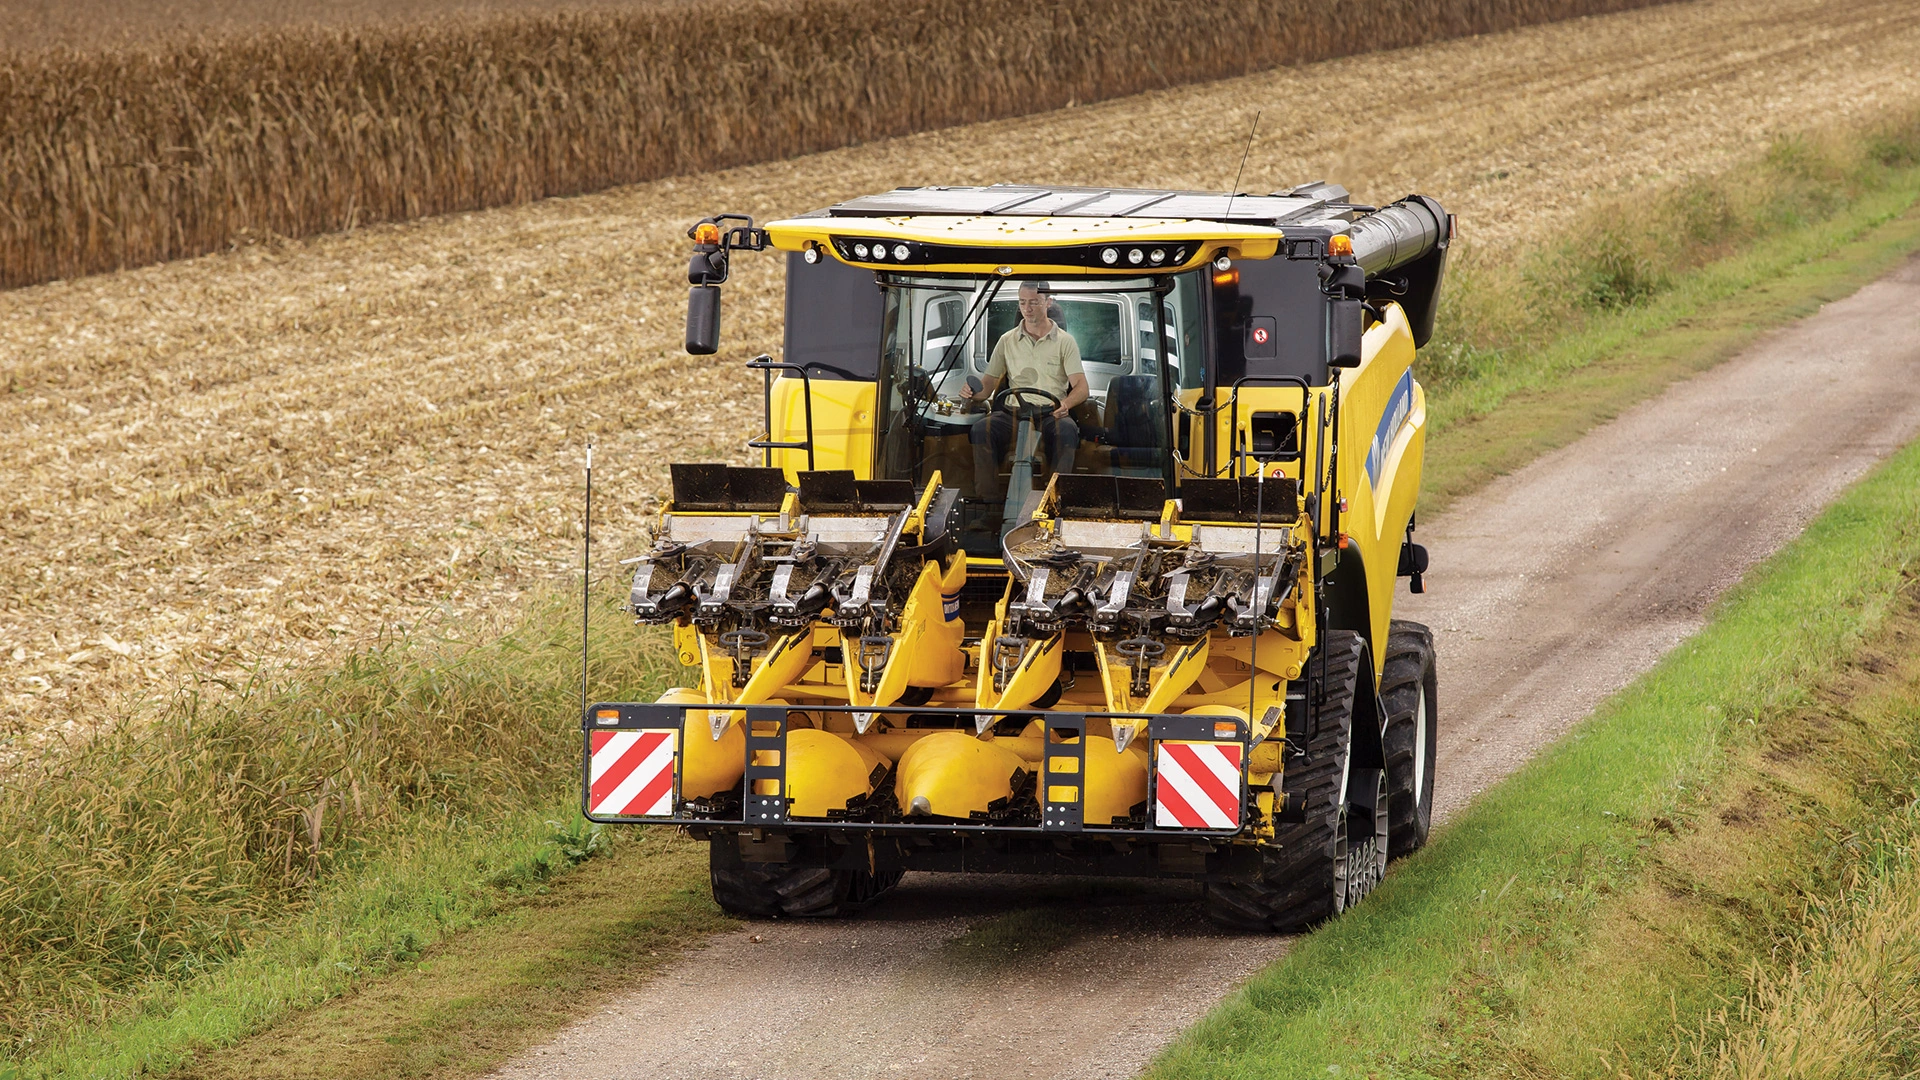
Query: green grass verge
[[514, 977], [180, 887], [1598, 912], [185, 883]]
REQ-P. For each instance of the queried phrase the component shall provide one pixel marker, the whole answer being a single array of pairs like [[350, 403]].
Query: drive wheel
[[772, 890], [1314, 870], [1408, 690]]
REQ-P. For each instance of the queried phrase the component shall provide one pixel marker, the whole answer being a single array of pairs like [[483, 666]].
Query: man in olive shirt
[[1036, 353]]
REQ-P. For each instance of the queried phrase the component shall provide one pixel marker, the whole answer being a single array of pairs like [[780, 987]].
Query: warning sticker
[[632, 773], [1199, 785]]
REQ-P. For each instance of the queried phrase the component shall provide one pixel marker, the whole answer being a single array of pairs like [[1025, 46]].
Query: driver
[[1040, 354]]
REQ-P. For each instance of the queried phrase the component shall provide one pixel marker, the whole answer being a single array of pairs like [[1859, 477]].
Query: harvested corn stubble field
[[280, 454], [125, 156]]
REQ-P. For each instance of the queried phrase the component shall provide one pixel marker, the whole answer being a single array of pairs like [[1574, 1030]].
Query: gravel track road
[[277, 455], [1551, 588]]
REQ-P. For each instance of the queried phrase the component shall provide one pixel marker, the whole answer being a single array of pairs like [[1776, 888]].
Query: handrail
[[768, 365], [1299, 427]]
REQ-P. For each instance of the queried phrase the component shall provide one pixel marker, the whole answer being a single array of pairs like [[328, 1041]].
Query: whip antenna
[[586, 576], [1231, 192]]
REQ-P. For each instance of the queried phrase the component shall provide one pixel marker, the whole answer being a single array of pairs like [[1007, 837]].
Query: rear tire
[[1314, 870], [772, 890], [1409, 691]]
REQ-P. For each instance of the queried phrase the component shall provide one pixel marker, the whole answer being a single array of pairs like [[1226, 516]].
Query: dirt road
[[1551, 588], [276, 455]]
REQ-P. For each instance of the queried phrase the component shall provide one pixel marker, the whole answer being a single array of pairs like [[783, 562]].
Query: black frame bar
[[770, 811]]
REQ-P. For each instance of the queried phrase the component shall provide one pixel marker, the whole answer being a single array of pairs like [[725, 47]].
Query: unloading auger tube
[[1142, 629]]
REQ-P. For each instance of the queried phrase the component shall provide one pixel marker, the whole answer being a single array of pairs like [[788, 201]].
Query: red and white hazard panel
[[1199, 785], [632, 773]]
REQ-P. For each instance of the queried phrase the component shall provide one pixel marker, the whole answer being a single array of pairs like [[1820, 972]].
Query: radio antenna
[[1243, 164], [586, 576]]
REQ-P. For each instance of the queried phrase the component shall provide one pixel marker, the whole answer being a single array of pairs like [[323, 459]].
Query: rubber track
[[1402, 679], [771, 890], [1295, 887]]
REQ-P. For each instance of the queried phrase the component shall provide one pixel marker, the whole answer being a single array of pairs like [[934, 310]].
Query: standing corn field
[[127, 156]]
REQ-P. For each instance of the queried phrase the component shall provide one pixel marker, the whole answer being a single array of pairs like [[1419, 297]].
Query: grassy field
[[1713, 876], [280, 455], [427, 790], [131, 155]]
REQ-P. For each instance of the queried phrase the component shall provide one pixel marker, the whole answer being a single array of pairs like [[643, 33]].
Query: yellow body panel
[[1382, 439], [842, 425], [1380, 462]]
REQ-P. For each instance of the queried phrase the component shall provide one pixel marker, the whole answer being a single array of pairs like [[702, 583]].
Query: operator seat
[[1133, 426]]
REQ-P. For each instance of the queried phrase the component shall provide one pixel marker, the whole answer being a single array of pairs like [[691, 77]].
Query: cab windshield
[[1135, 339]]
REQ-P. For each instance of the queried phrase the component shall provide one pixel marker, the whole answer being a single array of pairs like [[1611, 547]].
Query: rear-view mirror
[[1344, 332], [703, 320]]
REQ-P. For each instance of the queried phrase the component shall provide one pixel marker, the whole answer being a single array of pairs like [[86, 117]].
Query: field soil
[[281, 454], [1551, 588]]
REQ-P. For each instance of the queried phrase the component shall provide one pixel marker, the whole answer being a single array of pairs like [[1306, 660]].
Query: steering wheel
[[1023, 408]]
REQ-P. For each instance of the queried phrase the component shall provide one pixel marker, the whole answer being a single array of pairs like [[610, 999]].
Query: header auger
[[1071, 548]]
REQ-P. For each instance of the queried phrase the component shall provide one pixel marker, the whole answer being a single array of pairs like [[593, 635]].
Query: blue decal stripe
[[1399, 407]]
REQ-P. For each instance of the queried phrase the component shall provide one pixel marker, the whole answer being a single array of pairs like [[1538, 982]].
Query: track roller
[[772, 890]]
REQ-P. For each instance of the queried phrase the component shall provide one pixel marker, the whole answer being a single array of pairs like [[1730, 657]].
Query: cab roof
[[1008, 228], [1317, 203]]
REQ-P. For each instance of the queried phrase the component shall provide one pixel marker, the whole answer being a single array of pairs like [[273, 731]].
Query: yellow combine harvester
[[1073, 551]]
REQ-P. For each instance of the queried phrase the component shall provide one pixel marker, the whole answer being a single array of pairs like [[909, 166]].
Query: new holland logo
[[1199, 785], [632, 773], [1399, 407]]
